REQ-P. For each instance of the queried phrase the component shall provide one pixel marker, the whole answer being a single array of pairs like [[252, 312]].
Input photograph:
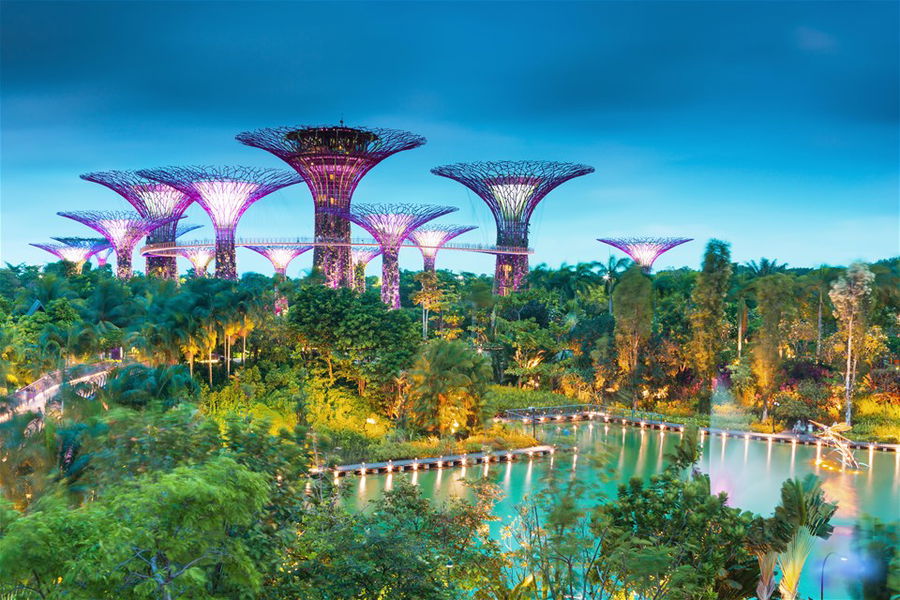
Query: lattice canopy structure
[[224, 193], [280, 256], [332, 160], [151, 199], [73, 255], [645, 250], [359, 258], [432, 238], [185, 228], [390, 225], [123, 230], [101, 248], [512, 190], [199, 256]]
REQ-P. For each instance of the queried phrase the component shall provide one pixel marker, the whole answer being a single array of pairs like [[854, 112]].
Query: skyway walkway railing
[[167, 247], [34, 396]]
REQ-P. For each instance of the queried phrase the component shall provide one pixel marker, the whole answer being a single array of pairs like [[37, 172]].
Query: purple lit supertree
[[151, 199], [390, 225], [100, 247], [359, 258], [185, 228], [74, 256], [512, 190], [431, 239], [224, 193], [332, 161], [200, 257], [645, 250], [280, 256], [123, 229]]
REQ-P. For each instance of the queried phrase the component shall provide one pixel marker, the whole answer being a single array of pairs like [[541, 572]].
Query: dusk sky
[[773, 126]]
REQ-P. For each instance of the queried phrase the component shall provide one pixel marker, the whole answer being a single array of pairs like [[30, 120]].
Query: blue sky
[[771, 125]]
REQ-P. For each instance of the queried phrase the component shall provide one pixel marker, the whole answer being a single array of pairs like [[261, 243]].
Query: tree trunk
[[848, 382], [209, 362], [819, 329]]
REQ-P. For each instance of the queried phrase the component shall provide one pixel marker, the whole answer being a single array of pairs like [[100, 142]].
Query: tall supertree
[[359, 258], [280, 256], [224, 193], [200, 257], [390, 225], [123, 229], [151, 199], [512, 190], [431, 239], [73, 255], [332, 161], [645, 250]]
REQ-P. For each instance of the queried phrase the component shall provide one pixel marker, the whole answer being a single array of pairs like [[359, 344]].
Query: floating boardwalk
[[438, 462], [592, 412]]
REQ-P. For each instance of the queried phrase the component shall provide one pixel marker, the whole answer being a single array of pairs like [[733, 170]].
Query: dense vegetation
[[185, 475]]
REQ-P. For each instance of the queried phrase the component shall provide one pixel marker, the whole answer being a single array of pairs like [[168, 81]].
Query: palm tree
[[448, 380], [806, 514], [610, 273], [765, 267]]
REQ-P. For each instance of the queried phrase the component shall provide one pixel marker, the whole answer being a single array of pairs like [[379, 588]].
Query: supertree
[[154, 200], [332, 161], [73, 255], [512, 190], [100, 246], [224, 193], [123, 229], [200, 257], [280, 256], [359, 258], [431, 239], [390, 225], [185, 228], [645, 250]]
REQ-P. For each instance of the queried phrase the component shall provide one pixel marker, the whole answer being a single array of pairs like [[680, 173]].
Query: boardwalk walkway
[[595, 412], [34, 396]]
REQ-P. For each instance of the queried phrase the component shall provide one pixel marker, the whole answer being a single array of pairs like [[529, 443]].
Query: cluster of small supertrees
[[331, 160]]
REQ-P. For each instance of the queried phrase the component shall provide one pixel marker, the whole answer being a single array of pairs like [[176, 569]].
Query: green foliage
[[449, 379], [707, 317], [500, 398]]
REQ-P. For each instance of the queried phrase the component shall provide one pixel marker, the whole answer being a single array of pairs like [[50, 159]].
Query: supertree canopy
[[123, 229], [645, 250], [224, 193], [151, 199], [185, 228], [75, 255], [390, 225], [512, 190], [332, 161], [359, 258], [280, 256], [200, 257], [431, 239], [100, 247]]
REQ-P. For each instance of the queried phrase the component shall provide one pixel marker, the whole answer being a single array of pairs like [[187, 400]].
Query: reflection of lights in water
[[437, 480], [528, 474], [722, 456], [389, 481], [769, 455], [838, 487], [659, 455], [484, 471], [574, 460], [793, 454], [362, 486], [746, 447], [415, 478], [507, 475]]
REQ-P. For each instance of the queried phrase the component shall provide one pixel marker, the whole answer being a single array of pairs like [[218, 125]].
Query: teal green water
[[749, 471]]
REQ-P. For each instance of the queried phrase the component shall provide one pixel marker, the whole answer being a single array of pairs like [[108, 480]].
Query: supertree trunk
[[390, 277], [73, 268], [511, 269], [123, 263], [225, 255], [164, 267], [359, 277], [333, 261], [429, 263]]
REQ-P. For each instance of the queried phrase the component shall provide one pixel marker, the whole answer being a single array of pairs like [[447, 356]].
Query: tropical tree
[[708, 328], [448, 380], [774, 294], [633, 312], [848, 295]]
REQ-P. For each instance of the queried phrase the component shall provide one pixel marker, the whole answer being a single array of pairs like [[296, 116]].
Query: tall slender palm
[[610, 272]]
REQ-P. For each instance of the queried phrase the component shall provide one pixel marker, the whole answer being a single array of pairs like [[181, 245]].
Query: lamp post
[[822, 575]]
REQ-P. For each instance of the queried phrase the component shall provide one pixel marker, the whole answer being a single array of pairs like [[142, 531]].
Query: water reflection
[[751, 473]]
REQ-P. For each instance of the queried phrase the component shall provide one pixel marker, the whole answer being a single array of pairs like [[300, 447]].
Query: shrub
[[500, 398]]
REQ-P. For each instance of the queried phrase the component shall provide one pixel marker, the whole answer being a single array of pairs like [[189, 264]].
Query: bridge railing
[[36, 394], [552, 412]]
